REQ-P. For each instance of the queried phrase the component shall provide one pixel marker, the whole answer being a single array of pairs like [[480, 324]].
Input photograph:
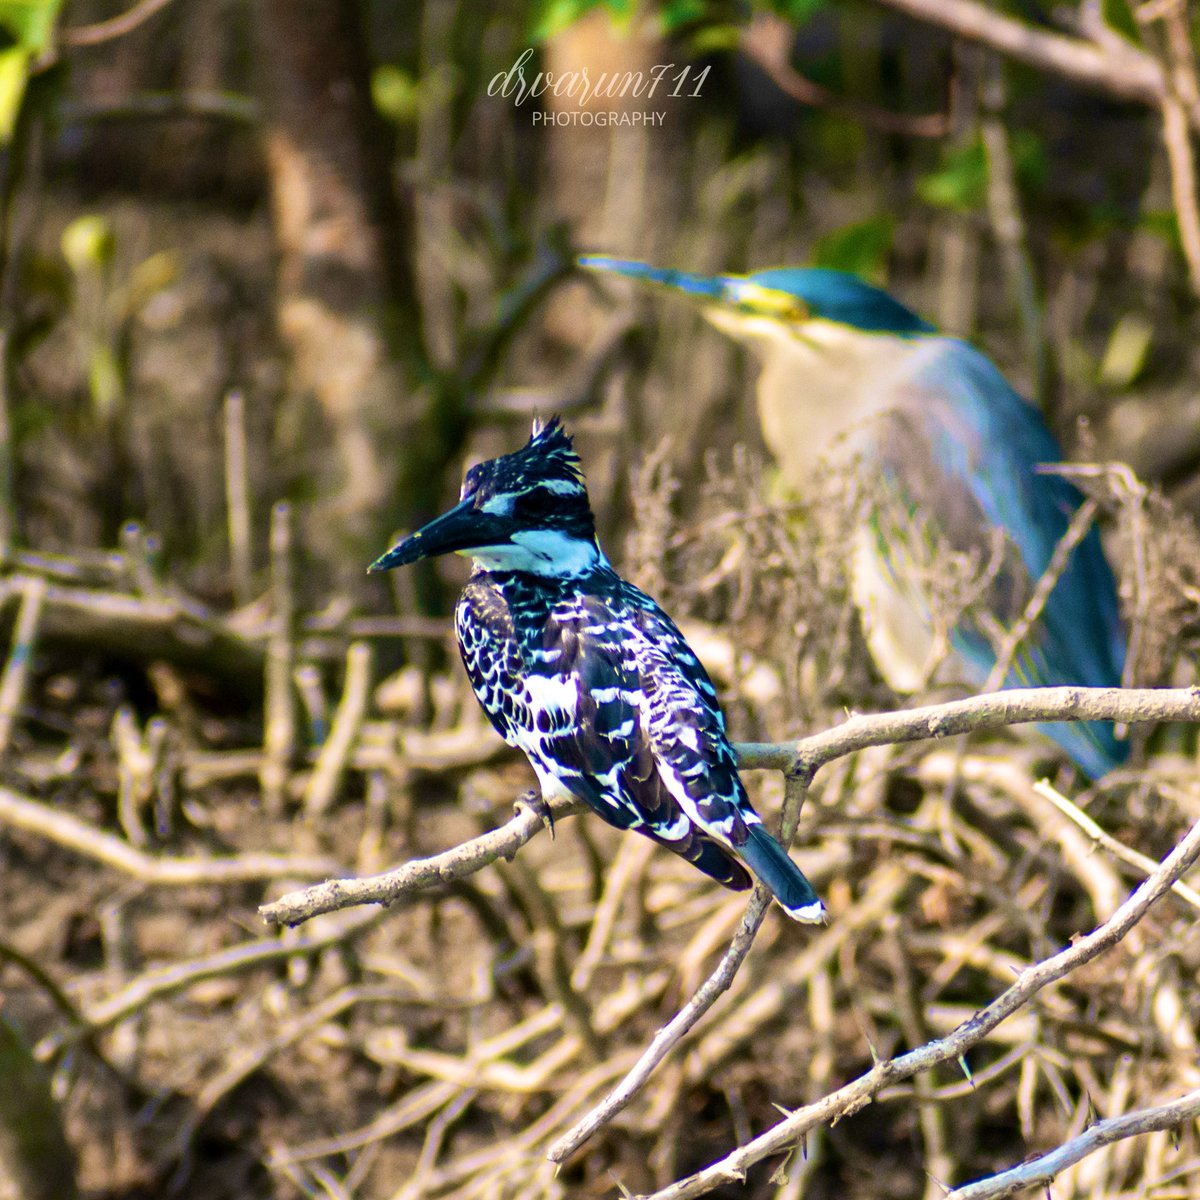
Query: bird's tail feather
[[785, 881]]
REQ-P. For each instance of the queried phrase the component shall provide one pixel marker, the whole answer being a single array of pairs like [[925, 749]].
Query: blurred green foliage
[[30, 25]]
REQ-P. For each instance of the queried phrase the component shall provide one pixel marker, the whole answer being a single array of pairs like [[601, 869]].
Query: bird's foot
[[536, 803]]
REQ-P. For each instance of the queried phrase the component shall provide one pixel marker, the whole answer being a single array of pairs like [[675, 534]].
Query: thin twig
[[1081, 522], [391, 886], [114, 27], [669, 1035], [347, 723], [1180, 157], [1040, 1171], [20, 656], [704, 998], [237, 497], [279, 740], [853, 1096], [1126, 854], [767, 42]]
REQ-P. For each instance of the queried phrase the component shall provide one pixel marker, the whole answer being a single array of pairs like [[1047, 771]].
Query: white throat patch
[[548, 552]]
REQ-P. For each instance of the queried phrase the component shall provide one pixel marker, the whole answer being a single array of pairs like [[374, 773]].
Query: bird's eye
[[537, 503]]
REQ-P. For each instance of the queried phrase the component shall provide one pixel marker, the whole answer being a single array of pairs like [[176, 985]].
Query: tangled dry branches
[[570, 1016]]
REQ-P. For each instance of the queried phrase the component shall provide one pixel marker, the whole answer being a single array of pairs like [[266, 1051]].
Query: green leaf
[[1127, 351], [1118, 16], [553, 16], [861, 248], [714, 39], [396, 94], [960, 183], [14, 74], [31, 22], [680, 14], [798, 12], [88, 243], [105, 381]]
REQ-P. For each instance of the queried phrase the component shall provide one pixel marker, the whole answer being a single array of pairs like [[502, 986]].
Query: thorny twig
[[853, 1096]]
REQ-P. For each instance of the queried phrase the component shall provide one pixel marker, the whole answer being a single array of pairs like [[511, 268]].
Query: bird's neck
[[548, 554], [821, 386]]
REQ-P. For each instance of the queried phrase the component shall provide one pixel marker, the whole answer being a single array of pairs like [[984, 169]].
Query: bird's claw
[[536, 803]]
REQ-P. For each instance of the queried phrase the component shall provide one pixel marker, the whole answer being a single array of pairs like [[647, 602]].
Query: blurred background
[[272, 272]]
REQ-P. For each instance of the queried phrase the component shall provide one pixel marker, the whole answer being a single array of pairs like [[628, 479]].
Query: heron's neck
[[821, 384]]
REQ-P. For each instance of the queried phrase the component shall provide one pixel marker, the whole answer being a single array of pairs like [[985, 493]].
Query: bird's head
[[525, 511], [778, 303]]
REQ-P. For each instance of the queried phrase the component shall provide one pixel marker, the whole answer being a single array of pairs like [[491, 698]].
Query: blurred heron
[[953, 460]]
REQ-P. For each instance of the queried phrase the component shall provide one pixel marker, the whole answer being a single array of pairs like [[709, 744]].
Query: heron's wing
[[984, 450]]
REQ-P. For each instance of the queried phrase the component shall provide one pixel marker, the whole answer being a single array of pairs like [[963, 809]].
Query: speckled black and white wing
[[570, 705], [601, 691]]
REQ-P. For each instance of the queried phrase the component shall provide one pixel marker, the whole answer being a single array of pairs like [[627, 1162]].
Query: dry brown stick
[[279, 738], [20, 656], [135, 775], [167, 626], [114, 27], [669, 1035], [390, 886], [158, 983], [237, 498], [854, 1095], [81, 837], [1127, 855], [1038, 1172], [244, 1061], [326, 778]]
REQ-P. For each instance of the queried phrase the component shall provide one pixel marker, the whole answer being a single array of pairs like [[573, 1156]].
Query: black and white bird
[[589, 677]]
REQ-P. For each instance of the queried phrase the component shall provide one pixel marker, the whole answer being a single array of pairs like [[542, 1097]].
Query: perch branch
[[799, 759], [390, 886], [992, 711]]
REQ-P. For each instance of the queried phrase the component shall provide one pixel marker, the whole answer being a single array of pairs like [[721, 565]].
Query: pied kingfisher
[[589, 677]]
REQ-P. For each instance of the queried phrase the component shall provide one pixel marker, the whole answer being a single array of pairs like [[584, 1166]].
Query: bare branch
[[1040, 1171], [799, 759], [767, 42], [114, 27], [992, 711], [1129, 73], [855, 1095]]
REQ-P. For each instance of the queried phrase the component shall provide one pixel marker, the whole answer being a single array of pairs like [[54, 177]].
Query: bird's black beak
[[464, 527]]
